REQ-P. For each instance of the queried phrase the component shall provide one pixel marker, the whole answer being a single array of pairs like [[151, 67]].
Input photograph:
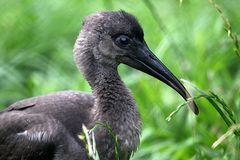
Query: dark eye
[[122, 40]]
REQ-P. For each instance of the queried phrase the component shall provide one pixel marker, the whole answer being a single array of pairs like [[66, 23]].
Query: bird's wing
[[35, 136], [45, 125]]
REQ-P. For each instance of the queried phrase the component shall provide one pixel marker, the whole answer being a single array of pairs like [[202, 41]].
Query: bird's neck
[[115, 106]]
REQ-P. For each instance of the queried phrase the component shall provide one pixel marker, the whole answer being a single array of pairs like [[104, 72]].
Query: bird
[[48, 127]]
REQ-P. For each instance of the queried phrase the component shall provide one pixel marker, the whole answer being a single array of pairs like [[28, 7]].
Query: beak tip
[[193, 106], [195, 109]]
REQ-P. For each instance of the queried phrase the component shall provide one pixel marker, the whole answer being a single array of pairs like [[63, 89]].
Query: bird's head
[[109, 38]]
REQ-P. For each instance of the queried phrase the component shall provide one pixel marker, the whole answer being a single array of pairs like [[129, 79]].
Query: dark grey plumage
[[47, 127]]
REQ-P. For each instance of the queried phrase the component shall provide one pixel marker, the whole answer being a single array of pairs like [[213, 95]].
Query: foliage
[[190, 37]]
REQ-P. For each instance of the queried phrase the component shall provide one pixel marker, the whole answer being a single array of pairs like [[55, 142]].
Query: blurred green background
[[36, 42]]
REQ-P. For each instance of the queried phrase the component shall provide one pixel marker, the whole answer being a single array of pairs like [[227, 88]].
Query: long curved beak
[[145, 61]]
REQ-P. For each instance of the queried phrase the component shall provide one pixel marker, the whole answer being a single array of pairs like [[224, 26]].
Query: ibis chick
[[48, 127]]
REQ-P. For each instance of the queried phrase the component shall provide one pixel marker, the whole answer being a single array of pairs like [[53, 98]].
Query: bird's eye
[[122, 40]]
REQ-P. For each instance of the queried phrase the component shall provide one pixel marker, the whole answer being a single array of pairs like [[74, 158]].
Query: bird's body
[[48, 127], [37, 127]]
